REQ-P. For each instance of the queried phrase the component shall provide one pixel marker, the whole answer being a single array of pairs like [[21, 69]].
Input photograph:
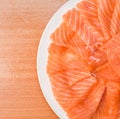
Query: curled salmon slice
[[89, 11], [70, 78], [88, 107], [70, 96], [109, 106], [83, 28], [88, 8], [64, 60], [105, 11], [64, 36], [113, 53], [115, 20]]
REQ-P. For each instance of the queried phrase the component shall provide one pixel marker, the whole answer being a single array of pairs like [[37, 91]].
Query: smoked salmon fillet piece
[[87, 32], [68, 72], [113, 53], [105, 12], [88, 8], [69, 39], [84, 60], [62, 58], [89, 11], [109, 106], [115, 20], [88, 107]]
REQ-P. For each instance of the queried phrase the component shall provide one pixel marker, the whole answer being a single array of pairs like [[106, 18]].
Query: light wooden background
[[21, 25]]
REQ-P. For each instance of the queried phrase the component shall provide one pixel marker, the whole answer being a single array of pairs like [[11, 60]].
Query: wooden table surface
[[21, 25]]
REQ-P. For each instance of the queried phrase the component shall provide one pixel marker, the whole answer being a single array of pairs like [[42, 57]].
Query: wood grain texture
[[21, 25]]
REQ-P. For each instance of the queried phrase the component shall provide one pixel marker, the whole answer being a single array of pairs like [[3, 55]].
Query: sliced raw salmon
[[64, 36], [115, 20], [88, 33], [70, 78], [87, 108], [84, 60], [105, 11], [88, 10], [109, 106], [106, 72], [70, 96], [97, 59], [113, 53], [66, 60]]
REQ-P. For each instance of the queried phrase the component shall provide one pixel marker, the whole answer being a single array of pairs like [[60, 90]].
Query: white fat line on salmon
[[88, 1], [92, 58], [88, 12], [70, 99], [61, 37], [60, 84], [80, 72], [70, 18], [84, 84], [82, 87], [60, 78], [99, 44], [91, 81], [103, 20], [75, 22], [91, 49]]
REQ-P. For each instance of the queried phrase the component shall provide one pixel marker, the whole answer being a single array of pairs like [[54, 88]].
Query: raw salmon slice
[[87, 108], [106, 72], [110, 103], [62, 58], [70, 96], [69, 39], [88, 10], [105, 11], [70, 78], [64, 36], [113, 53], [115, 20], [88, 33], [96, 60]]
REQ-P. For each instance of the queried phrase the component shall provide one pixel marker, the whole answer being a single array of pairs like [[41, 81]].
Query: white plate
[[42, 57]]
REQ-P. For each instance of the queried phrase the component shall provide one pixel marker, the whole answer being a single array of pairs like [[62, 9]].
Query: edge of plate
[[47, 91]]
